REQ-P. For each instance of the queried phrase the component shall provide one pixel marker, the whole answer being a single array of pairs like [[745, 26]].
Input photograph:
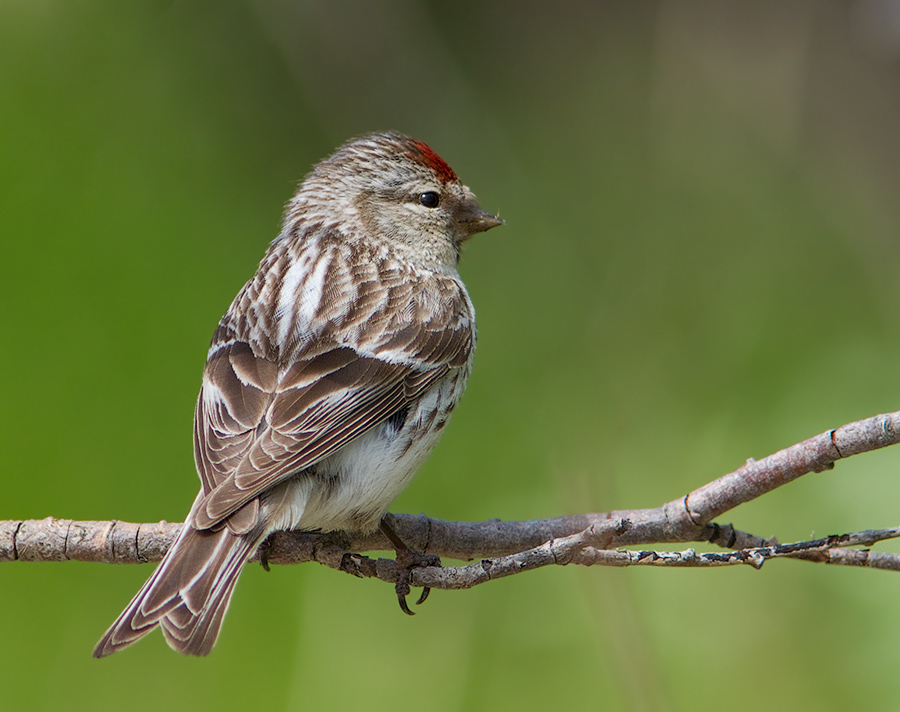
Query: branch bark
[[512, 547]]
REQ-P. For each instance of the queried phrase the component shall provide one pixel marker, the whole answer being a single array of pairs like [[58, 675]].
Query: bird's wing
[[257, 424]]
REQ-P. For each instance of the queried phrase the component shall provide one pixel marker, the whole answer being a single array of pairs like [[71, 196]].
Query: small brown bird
[[329, 379]]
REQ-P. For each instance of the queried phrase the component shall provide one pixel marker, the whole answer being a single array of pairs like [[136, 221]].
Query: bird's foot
[[407, 560]]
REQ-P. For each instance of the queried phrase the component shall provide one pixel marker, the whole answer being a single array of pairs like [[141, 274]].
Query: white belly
[[353, 488]]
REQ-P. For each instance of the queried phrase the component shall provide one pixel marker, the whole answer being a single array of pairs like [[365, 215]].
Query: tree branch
[[512, 547]]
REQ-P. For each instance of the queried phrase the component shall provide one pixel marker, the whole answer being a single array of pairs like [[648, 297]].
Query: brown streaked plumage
[[329, 379]]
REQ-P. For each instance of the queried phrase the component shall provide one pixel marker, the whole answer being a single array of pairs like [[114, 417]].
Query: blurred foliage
[[700, 265]]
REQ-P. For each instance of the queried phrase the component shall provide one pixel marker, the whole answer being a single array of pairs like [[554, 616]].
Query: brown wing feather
[[256, 424]]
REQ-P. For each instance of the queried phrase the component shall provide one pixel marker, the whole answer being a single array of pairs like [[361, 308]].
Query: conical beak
[[478, 220]]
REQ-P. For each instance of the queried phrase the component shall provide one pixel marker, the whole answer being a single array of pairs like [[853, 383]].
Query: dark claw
[[263, 553], [407, 560], [402, 589], [425, 592], [401, 599]]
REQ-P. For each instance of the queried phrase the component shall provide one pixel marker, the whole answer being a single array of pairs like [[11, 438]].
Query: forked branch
[[506, 548]]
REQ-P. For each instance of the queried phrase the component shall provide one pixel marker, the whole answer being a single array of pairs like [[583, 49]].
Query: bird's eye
[[430, 199]]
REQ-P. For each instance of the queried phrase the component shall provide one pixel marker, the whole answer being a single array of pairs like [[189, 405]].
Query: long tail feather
[[188, 593]]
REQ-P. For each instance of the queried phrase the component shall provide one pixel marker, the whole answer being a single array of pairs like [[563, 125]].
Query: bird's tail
[[187, 595]]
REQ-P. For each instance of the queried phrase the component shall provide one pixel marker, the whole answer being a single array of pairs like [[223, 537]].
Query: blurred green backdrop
[[700, 265]]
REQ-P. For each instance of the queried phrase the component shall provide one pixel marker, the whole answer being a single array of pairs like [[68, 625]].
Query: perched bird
[[328, 380]]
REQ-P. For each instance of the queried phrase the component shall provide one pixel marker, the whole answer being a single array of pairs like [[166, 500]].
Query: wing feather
[[258, 422]]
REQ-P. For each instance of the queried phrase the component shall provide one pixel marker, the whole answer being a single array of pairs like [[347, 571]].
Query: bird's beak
[[478, 220]]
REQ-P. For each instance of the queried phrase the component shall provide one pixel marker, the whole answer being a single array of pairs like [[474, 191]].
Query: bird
[[329, 379]]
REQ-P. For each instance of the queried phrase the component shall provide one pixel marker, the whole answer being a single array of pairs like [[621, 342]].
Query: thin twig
[[505, 548]]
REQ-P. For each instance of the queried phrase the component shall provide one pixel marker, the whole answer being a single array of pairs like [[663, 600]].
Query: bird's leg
[[407, 560]]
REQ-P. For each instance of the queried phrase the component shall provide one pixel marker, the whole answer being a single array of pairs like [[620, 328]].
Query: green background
[[700, 265]]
